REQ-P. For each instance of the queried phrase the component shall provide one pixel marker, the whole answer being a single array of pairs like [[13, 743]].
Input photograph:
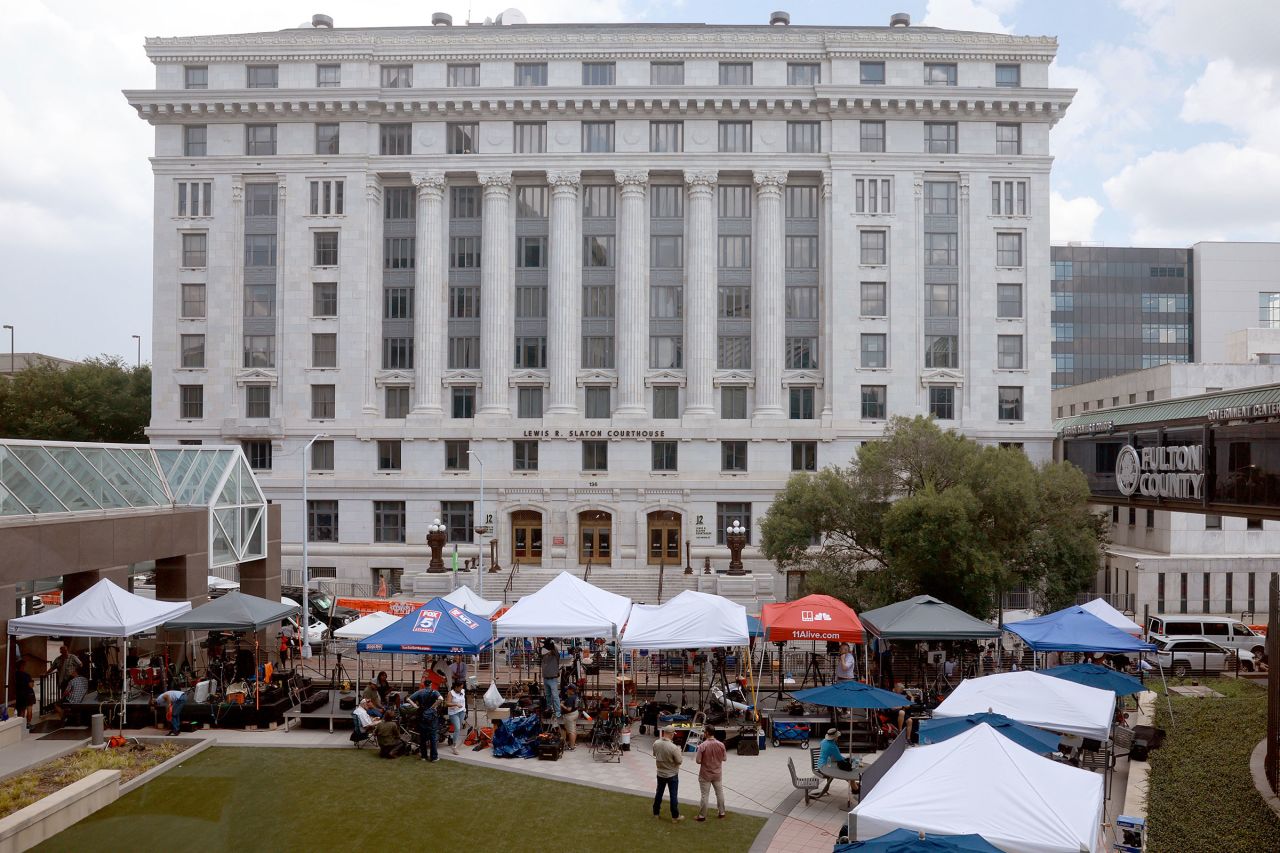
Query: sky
[[1173, 137]]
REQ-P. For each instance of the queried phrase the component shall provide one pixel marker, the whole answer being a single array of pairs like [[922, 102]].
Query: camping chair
[[359, 734], [807, 784], [1122, 738]]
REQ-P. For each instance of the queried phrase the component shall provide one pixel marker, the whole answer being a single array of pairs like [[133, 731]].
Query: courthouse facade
[[632, 276]]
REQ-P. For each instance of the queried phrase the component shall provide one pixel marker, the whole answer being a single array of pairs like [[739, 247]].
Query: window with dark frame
[[462, 402], [524, 455], [258, 452], [942, 402], [323, 402], [729, 512], [804, 456], [322, 455], [875, 402], [459, 521], [388, 521], [456, 457], [733, 457], [190, 402], [389, 454], [322, 521], [595, 455]]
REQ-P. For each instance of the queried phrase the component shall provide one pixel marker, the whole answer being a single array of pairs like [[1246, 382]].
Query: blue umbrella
[[910, 841], [851, 694], [943, 728], [1101, 677]]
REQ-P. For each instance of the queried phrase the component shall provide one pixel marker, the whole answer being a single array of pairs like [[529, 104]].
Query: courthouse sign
[[1165, 472]]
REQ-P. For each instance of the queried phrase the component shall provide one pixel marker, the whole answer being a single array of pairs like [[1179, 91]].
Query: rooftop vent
[[780, 19], [900, 19], [322, 22], [441, 19]]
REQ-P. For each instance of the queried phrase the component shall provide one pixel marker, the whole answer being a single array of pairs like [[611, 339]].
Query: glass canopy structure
[[50, 478]]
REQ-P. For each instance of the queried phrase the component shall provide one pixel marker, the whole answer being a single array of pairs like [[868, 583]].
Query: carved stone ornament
[[564, 178], [429, 182], [632, 178], [701, 177], [770, 179], [495, 180]]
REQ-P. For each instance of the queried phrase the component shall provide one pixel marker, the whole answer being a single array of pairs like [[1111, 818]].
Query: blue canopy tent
[[943, 728], [1092, 675], [437, 627], [908, 841], [1074, 629]]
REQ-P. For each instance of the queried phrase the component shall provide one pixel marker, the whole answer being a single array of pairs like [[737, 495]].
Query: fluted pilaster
[[496, 294], [826, 316], [236, 362], [631, 323], [700, 294], [768, 307], [564, 292], [430, 285], [373, 292]]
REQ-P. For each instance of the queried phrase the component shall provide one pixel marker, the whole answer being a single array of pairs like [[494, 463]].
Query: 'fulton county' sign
[[1165, 472]]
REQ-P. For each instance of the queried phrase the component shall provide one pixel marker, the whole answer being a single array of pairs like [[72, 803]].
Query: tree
[[102, 399], [930, 511]]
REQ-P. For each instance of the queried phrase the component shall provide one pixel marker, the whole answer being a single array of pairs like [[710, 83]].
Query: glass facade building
[[1118, 309]]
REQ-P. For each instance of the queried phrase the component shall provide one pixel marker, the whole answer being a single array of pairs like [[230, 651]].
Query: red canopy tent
[[814, 617]]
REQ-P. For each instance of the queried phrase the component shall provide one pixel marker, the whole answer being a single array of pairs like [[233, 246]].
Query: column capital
[[770, 180], [373, 193], [237, 190], [826, 185], [701, 178], [429, 183], [495, 181], [564, 178], [634, 179]]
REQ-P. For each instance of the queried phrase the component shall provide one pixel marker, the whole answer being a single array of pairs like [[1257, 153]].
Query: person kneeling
[[390, 742]]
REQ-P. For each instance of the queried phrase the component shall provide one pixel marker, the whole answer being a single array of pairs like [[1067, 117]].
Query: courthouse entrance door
[[526, 537], [595, 538], [664, 538]]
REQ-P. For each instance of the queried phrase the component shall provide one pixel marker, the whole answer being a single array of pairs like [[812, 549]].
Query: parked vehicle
[[1184, 656], [316, 631], [322, 606], [1223, 630]]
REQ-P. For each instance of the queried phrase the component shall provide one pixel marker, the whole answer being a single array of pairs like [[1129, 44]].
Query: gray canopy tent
[[926, 618]]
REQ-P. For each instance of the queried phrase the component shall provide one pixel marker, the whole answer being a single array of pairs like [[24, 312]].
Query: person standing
[[66, 665], [846, 664], [710, 758], [551, 678], [286, 644], [174, 700], [457, 705], [458, 669], [667, 758], [570, 706], [25, 695], [427, 698]]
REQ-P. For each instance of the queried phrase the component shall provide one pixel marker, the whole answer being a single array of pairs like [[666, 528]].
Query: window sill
[[203, 219], [455, 472], [387, 472], [874, 214], [324, 215], [325, 268], [1011, 370], [1009, 269], [1010, 319], [593, 474], [326, 318], [663, 474], [733, 474], [322, 369], [190, 369], [875, 369], [873, 316]]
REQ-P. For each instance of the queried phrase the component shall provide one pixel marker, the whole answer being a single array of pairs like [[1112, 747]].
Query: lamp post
[[11, 355], [303, 644], [435, 541], [138, 338], [735, 536], [482, 528]]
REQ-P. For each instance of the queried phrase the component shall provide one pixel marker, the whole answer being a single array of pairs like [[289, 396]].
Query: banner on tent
[[395, 607]]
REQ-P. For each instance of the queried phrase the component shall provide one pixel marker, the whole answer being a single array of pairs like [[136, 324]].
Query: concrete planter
[[41, 820], [12, 731]]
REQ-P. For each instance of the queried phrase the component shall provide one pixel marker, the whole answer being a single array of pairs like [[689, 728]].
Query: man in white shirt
[[846, 664], [363, 718]]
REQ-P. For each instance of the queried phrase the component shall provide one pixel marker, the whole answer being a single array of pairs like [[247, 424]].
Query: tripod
[[339, 674], [812, 667]]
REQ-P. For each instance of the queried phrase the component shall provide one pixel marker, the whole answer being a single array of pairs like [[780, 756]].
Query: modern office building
[[630, 277]]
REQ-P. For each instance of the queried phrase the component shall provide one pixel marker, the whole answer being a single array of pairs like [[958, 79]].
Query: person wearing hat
[[570, 705], [830, 752]]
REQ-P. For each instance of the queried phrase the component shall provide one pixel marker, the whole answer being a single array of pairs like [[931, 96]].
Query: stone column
[[632, 315], [373, 292], [700, 294], [564, 293], [236, 314], [497, 295], [768, 310], [826, 304], [431, 285]]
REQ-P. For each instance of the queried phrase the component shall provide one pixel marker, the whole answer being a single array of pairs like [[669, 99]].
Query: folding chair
[[807, 784]]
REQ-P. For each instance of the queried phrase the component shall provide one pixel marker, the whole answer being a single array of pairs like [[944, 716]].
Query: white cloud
[[1072, 219], [1244, 99], [976, 15], [1193, 29]]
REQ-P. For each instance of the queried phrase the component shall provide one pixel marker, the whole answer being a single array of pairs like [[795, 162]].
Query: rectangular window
[[801, 253], [326, 248], [733, 457], [666, 201], [801, 353], [531, 301], [733, 402], [735, 136], [260, 300], [598, 253], [800, 404], [598, 201], [531, 352], [524, 456], [874, 248], [324, 349], [597, 137], [1008, 198], [1253, 524], [804, 137], [733, 252], [941, 249], [397, 303], [598, 403], [461, 137], [531, 137], [665, 455], [531, 73], [940, 74], [666, 252], [872, 195], [801, 202], [871, 137], [1268, 309], [733, 202], [195, 77], [1008, 250], [1009, 301], [455, 455], [666, 137], [260, 139], [804, 456], [801, 303], [871, 73], [1151, 516], [462, 400], [597, 352], [323, 402], [328, 76], [1009, 75], [459, 520], [322, 455], [395, 139], [1064, 332], [1008, 139], [940, 198], [389, 458], [260, 199], [195, 140], [735, 73], [942, 402], [874, 351], [322, 521], [874, 299], [598, 73], [666, 73], [875, 402], [263, 76], [462, 75], [1009, 352], [397, 353], [940, 137], [666, 402], [190, 402], [941, 351], [804, 73], [531, 202], [258, 453], [595, 456], [942, 300], [531, 253], [396, 402], [193, 301], [257, 401], [397, 76], [388, 521], [194, 250], [464, 253], [327, 198], [529, 402], [666, 352], [1010, 403], [195, 198], [398, 253], [733, 352], [324, 299], [727, 514], [192, 350], [259, 250], [464, 202], [734, 301]]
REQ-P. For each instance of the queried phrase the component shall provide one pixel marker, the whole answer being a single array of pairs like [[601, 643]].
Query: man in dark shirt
[[390, 744], [427, 698], [551, 678]]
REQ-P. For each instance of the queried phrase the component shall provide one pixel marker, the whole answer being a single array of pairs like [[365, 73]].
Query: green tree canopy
[[930, 511], [102, 399]]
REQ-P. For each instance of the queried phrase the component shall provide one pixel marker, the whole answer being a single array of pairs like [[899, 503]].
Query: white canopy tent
[[691, 620], [102, 610], [1030, 698], [1111, 616], [466, 598], [366, 626], [566, 607], [983, 783]]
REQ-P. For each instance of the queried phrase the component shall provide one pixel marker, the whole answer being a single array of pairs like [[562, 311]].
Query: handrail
[[586, 574], [662, 568], [506, 590]]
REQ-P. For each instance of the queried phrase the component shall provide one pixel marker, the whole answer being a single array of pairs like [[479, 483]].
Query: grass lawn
[[1202, 796], [22, 790], [248, 798]]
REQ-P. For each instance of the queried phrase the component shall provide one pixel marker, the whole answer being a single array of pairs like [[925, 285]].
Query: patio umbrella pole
[[124, 686]]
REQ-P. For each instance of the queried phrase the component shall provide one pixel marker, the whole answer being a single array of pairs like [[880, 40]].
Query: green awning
[[925, 618], [1166, 411]]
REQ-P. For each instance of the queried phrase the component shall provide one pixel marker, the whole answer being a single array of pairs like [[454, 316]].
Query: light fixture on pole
[[735, 536], [138, 338], [435, 541], [482, 528], [303, 644], [12, 366]]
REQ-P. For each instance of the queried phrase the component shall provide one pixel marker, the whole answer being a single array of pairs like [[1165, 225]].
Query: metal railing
[[511, 578], [662, 569]]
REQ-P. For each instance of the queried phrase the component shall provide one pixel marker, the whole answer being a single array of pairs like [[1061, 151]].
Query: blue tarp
[[850, 694], [944, 728], [516, 738], [1092, 675], [1074, 629], [910, 841], [437, 627]]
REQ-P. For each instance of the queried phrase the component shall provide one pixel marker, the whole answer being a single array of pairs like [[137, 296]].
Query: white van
[[1224, 630]]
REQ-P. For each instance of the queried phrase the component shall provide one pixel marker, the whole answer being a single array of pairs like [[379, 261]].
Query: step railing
[[511, 579]]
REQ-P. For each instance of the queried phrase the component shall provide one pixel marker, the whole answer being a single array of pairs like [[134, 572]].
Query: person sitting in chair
[[74, 691], [830, 752], [364, 718]]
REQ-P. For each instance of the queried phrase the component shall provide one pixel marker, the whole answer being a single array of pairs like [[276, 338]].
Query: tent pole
[[8, 658], [124, 685], [1167, 697]]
